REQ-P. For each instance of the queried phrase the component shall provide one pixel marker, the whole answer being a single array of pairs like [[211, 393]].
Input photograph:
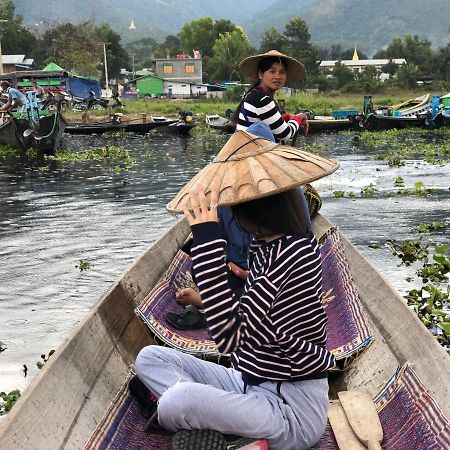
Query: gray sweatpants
[[198, 394]]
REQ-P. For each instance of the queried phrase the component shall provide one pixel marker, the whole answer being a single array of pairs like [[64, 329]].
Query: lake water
[[53, 214]]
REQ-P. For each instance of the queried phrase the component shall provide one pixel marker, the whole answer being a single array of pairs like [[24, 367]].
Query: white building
[[358, 65]]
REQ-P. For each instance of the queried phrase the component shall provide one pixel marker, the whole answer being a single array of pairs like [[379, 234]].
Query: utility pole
[[1, 55], [106, 65], [132, 65]]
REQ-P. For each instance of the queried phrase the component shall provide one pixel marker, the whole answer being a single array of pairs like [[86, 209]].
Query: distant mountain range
[[368, 24]]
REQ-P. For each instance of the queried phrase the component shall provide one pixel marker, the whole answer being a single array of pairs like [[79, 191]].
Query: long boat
[[138, 126], [69, 397], [320, 124], [377, 122], [42, 133], [413, 106]]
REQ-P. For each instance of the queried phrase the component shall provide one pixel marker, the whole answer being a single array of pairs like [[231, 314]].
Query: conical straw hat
[[249, 167], [249, 66]]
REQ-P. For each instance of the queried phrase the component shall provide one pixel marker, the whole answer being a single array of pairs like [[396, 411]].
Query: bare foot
[[189, 296]]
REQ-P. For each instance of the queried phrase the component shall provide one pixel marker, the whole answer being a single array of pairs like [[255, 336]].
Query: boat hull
[[81, 379], [46, 139]]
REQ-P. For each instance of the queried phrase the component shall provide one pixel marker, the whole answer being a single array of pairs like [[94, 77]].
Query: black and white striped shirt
[[258, 106], [277, 329]]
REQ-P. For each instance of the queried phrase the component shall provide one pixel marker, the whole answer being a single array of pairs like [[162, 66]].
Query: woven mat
[[121, 428], [348, 329], [410, 417]]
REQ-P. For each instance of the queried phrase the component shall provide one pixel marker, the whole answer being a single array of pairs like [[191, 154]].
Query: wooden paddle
[[362, 417], [343, 432]]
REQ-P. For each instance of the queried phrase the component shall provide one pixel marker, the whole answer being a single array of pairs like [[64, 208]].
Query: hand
[[286, 117], [189, 296], [305, 127], [201, 212]]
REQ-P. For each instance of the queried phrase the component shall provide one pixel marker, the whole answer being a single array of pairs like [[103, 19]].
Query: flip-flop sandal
[[188, 319]]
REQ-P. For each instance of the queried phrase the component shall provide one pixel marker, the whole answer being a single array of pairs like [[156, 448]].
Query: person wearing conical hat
[[275, 332], [270, 71]]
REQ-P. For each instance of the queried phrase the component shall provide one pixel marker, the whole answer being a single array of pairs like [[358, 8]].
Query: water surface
[[53, 214]]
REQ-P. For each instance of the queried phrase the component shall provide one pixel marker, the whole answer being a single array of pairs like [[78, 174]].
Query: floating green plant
[[339, 194], [83, 265], [8, 400], [399, 182], [432, 227], [409, 251], [368, 191], [96, 154], [2, 347]]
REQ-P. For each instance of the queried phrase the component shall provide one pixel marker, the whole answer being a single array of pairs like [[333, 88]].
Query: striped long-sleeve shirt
[[277, 329], [258, 106]]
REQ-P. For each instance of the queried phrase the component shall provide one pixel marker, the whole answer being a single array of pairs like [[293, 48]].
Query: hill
[[154, 18], [368, 24]]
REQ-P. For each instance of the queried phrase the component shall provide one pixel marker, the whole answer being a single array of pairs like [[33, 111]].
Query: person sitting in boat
[[16, 99], [237, 249], [275, 332], [271, 71], [91, 100], [39, 91]]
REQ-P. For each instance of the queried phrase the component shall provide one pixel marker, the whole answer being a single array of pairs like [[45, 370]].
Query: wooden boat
[[178, 127], [320, 124], [43, 133], [69, 397], [142, 126], [91, 128], [375, 122], [217, 122], [413, 106]]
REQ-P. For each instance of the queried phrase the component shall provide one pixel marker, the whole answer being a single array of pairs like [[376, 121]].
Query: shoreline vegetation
[[320, 103]]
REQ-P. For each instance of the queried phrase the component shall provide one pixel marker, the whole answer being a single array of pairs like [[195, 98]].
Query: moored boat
[[217, 122], [90, 128], [68, 399], [42, 133], [319, 124]]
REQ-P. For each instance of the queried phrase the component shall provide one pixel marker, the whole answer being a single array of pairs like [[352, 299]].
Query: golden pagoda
[[132, 25], [355, 55]]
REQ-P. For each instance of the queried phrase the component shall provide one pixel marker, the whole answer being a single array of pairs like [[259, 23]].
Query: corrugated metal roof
[[13, 59], [363, 62]]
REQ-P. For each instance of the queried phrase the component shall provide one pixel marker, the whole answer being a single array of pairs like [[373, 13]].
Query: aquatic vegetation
[[83, 265], [374, 245], [431, 301], [432, 227], [399, 182], [40, 364], [368, 191], [2, 347], [395, 146], [96, 154], [314, 148], [339, 194], [8, 400]]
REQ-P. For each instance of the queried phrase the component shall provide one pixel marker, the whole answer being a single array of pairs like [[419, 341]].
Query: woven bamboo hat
[[249, 167], [249, 66]]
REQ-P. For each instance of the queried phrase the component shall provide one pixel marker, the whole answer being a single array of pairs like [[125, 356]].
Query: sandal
[[188, 319]]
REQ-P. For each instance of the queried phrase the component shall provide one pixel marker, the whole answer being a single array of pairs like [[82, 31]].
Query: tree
[[342, 75], [442, 63], [16, 39], [198, 35], [273, 40], [297, 36], [142, 50], [407, 76], [170, 47], [415, 51], [229, 50]]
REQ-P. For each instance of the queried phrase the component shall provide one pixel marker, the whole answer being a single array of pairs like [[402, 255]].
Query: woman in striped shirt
[[275, 332], [271, 70]]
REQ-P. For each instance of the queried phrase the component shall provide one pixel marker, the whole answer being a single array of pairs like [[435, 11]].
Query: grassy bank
[[322, 104]]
